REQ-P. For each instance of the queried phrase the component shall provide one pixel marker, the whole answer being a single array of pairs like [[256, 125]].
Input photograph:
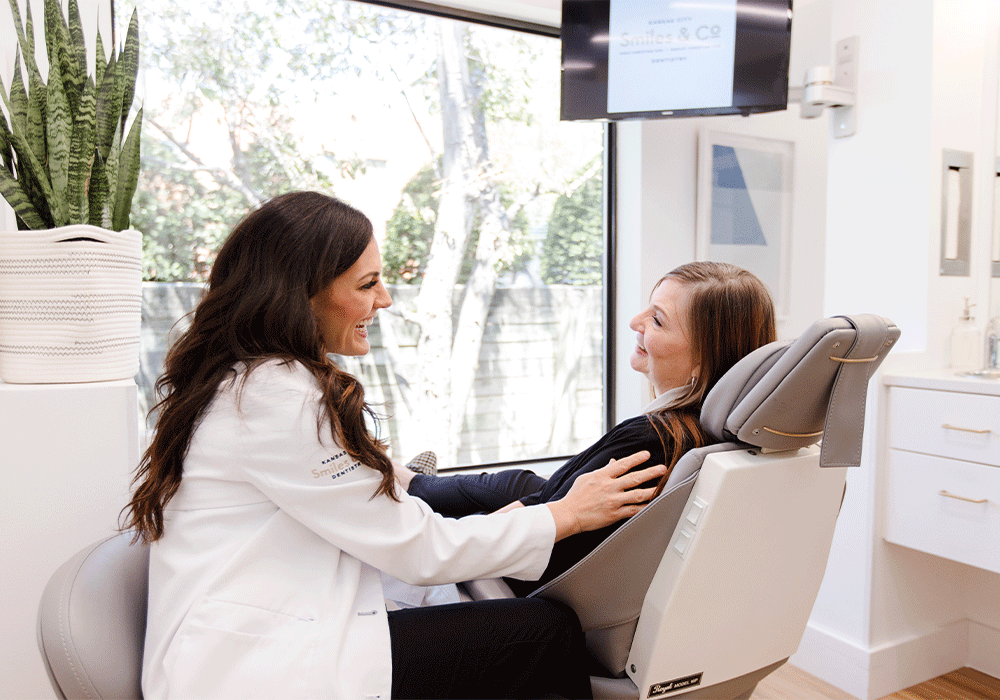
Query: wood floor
[[791, 683]]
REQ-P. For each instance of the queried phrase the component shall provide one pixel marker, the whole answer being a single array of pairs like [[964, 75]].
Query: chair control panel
[[689, 525]]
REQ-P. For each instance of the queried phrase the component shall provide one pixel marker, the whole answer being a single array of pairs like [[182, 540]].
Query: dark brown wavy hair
[[730, 314], [257, 308]]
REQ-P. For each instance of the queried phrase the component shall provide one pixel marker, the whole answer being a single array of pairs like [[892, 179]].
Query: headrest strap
[[845, 419]]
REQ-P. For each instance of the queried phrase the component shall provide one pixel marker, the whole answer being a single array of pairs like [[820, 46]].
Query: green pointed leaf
[[58, 133], [28, 169], [32, 176], [56, 31], [73, 82], [11, 190], [18, 104], [99, 194], [100, 59], [111, 168], [25, 39], [109, 107], [81, 153], [63, 54], [128, 175], [35, 125], [6, 152], [129, 70], [78, 44]]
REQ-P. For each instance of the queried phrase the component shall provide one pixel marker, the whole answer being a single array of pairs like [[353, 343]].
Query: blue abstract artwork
[[746, 206], [734, 221]]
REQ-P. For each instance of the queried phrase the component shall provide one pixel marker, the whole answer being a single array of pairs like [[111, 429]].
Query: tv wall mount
[[834, 87]]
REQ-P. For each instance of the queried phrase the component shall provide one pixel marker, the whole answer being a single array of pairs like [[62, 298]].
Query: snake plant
[[66, 156]]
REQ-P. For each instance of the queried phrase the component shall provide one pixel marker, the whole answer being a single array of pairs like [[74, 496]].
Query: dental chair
[[709, 588], [701, 595]]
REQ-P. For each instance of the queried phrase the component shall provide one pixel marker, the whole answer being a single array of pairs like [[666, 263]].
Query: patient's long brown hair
[[257, 308], [730, 314]]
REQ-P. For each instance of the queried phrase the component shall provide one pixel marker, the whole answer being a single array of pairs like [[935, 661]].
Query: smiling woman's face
[[347, 306], [663, 341]]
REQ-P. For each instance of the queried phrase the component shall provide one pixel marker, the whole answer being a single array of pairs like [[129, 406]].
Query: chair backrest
[[726, 563], [92, 621]]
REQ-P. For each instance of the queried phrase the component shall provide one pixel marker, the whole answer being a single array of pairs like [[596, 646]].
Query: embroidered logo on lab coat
[[336, 466]]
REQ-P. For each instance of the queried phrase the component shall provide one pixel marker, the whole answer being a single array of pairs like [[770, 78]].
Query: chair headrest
[[791, 394]]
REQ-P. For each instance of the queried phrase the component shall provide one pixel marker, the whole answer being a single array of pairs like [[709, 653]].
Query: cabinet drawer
[[920, 516], [946, 424]]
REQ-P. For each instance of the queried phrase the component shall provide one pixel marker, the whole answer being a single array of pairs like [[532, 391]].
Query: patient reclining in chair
[[703, 317]]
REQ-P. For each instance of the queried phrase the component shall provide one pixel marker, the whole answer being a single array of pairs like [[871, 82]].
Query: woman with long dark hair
[[272, 511], [702, 318]]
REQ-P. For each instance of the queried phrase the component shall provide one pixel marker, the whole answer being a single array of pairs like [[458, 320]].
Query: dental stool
[[709, 588]]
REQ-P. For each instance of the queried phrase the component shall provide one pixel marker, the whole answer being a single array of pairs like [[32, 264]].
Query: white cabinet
[[943, 474], [67, 453]]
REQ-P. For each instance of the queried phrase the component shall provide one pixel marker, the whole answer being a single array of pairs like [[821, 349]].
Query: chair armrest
[[487, 589]]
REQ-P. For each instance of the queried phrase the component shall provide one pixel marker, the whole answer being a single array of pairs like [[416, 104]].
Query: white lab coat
[[266, 582]]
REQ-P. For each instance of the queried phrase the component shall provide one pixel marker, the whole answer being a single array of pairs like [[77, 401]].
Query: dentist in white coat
[[271, 510]]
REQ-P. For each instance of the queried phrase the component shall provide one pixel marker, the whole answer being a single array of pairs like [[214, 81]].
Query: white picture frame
[[744, 207]]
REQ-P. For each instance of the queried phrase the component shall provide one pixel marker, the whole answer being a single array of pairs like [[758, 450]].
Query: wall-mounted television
[[655, 59]]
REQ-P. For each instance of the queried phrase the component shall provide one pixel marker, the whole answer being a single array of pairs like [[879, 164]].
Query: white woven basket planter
[[70, 305]]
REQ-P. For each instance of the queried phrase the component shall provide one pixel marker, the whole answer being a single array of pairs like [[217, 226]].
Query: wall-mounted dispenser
[[956, 212], [995, 237]]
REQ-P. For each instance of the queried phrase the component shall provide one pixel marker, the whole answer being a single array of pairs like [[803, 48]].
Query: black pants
[[512, 648], [465, 494]]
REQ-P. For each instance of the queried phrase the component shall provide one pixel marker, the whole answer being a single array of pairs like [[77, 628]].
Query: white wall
[[888, 617]]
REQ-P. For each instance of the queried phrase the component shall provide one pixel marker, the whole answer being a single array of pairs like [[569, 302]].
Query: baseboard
[[868, 674], [898, 665], [983, 644], [833, 659]]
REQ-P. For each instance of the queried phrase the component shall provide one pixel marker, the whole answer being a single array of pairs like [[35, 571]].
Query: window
[[487, 209]]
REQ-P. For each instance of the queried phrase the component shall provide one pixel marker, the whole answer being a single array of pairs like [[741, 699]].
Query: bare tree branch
[[219, 175]]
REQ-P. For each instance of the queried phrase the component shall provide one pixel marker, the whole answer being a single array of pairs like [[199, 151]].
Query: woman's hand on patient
[[403, 475], [605, 496]]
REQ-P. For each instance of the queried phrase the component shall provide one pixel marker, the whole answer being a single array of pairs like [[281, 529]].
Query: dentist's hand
[[605, 496]]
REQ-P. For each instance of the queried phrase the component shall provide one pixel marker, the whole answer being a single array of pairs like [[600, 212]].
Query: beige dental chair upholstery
[[710, 587]]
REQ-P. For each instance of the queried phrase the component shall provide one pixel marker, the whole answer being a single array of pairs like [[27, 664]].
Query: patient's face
[[663, 339]]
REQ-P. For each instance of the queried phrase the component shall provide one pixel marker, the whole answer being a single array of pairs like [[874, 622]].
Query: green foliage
[[573, 247], [183, 221], [66, 156], [222, 128], [410, 232]]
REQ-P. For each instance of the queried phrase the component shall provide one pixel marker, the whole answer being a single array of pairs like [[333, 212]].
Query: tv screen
[[654, 59]]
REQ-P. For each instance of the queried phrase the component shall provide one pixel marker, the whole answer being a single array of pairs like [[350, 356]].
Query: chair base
[[740, 688]]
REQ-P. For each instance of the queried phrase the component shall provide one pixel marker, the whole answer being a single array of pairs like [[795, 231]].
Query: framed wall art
[[744, 199]]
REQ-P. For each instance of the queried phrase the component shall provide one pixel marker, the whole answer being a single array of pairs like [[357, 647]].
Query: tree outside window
[[487, 209]]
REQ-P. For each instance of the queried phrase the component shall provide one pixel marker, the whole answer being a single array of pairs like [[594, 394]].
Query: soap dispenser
[[966, 342], [992, 346]]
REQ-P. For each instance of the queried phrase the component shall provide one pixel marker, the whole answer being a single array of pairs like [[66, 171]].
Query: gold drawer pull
[[947, 426], [963, 498]]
